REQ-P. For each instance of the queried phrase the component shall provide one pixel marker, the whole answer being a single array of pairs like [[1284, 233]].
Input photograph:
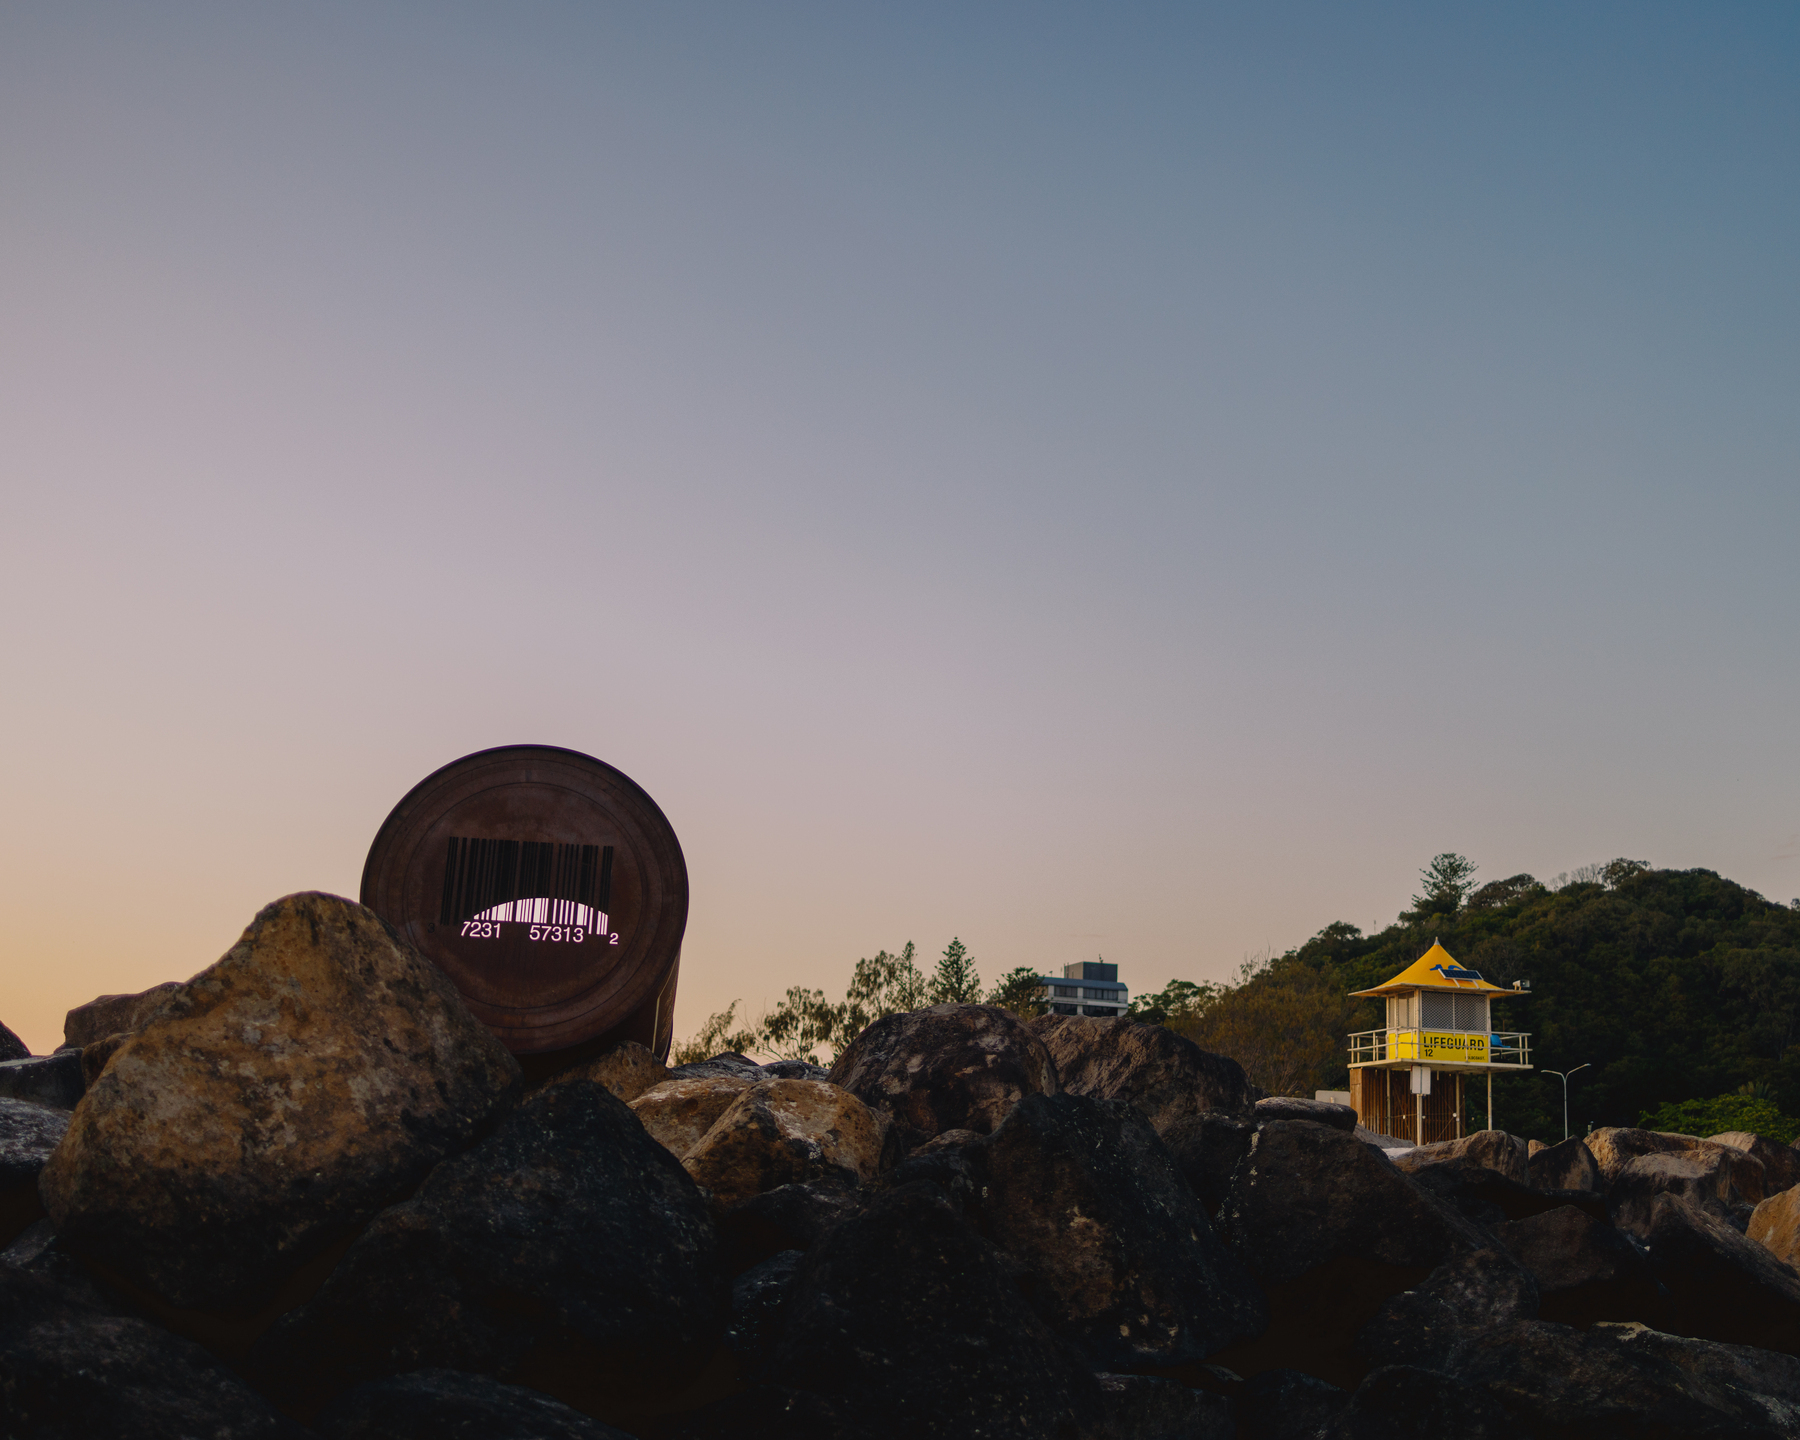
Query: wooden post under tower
[[1407, 1078]]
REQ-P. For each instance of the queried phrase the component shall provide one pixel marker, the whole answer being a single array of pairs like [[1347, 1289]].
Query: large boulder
[[784, 1132], [1781, 1163], [1331, 1229], [1586, 1271], [1293, 1107], [12, 1047], [627, 1069], [1722, 1285], [1630, 1381], [1154, 1407], [54, 1080], [72, 1368], [116, 1014], [28, 1135], [1566, 1165], [1305, 1194], [1206, 1149], [1456, 1309], [678, 1113], [452, 1405], [912, 1322], [728, 1064], [1489, 1198], [285, 1095], [949, 1067], [1775, 1225], [1286, 1405], [1157, 1071], [567, 1251], [789, 1217], [1122, 1259], [1486, 1149], [1701, 1177], [1413, 1402], [272, 1106], [1615, 1147]]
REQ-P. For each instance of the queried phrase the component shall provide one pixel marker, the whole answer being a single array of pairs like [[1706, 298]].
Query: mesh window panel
[[1471, 1012], [1437, 1012]]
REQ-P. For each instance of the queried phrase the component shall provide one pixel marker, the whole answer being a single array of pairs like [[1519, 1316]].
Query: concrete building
[[1088, 987]]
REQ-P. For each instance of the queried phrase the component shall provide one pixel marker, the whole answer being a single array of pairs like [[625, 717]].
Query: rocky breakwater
[[307, 1195]]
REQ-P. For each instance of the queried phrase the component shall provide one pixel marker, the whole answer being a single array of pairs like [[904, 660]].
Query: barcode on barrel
[[535, 882]]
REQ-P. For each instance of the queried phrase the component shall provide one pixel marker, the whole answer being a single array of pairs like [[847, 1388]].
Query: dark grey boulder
[[1411, 1402], [52, 1080], [1459, 1306], [789, 1217], [911, 1322], [794, 1070], [1722, 1285], [1293, 1107], [776, 1412], [1162, 1074], [12, 1047], [1206, 1149], [757, 1297], [1490, 1198], [1331, 1230], [1702, 1178], [1567, 1165], [1304, 1194], [568, 1251], [28, 1133], [452, 1405], [1781, 1163], [1586, 1271], [1122, 1259], [70, 1370], [1485, 1149], [1286, 1405], [1628, 1382], [730, 1064], [948, 1067], [1150, 1407]]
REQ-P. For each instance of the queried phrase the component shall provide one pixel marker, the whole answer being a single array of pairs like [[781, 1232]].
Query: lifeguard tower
[[1406, 1080]]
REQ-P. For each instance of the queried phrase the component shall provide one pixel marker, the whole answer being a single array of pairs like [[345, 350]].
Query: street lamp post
[[1564, 1075]]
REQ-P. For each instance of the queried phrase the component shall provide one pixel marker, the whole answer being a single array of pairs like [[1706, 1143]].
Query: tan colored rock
[[112, 1014], [1775, 1224], [96, 1057], [1566, 1165], [784, 1132], [628, 1070], [1781, 1163], [1533, 1146], [1702, 1178], [1615, 1147], [280, 1099], [678, 1113]]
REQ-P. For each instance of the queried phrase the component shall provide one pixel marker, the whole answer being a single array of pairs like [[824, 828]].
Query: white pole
[[1490, 1075]]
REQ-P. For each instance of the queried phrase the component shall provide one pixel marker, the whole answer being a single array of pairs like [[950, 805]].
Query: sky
[[1131, 480]]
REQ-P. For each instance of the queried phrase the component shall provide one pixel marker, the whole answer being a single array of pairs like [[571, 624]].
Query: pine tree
[[956, 982]]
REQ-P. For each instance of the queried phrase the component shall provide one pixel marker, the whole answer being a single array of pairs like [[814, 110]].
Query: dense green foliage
[[1725, 1113], [1671, 984]]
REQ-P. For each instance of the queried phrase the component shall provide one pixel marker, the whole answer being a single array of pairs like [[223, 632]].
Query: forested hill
[[1671, 984]]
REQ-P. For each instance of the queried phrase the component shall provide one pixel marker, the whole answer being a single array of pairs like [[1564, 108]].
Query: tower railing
[[1377, 1047]]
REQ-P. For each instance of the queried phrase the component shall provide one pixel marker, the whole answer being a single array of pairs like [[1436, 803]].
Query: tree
[[715, 1037], [1022, 992], [956, 981], [1177, 1005], [802, 1024], [885, 985], [1447, 879]]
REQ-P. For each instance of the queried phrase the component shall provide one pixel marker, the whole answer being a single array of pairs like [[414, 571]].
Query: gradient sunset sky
[[1114, 479]]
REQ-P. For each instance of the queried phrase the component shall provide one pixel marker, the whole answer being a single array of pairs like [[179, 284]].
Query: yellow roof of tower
[[1435, 970]]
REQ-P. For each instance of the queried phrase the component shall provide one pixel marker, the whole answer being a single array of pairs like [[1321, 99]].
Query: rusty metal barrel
[[549, 887]]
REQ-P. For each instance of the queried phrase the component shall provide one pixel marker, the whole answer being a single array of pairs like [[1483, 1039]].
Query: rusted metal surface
[[549, 888]]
